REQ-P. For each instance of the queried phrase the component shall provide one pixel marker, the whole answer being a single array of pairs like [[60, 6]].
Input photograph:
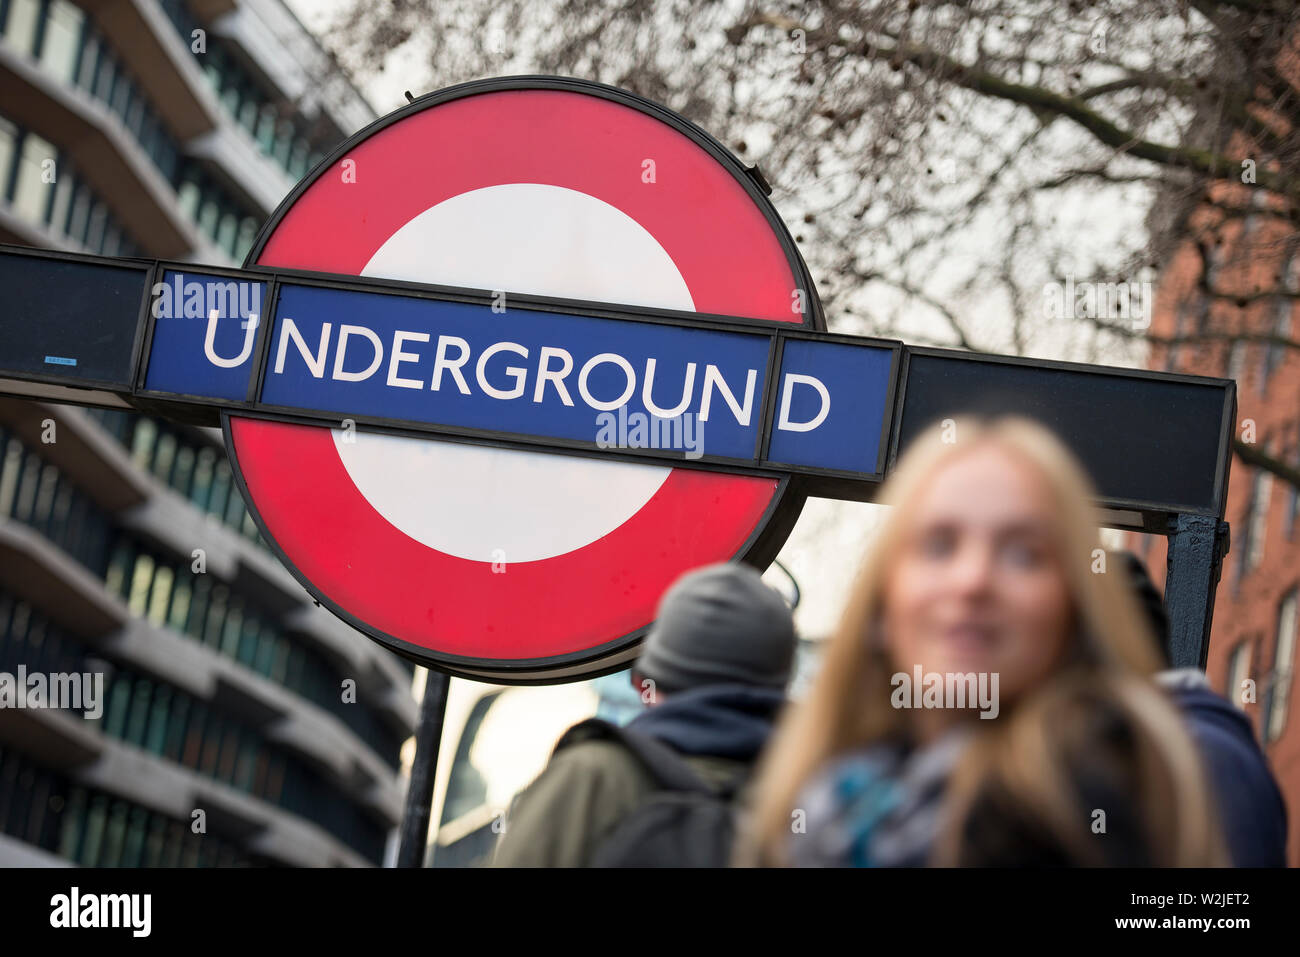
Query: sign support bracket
[[1197, 544]]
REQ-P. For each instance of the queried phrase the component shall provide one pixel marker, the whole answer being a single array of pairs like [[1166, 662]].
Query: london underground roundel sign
[[497, 562]]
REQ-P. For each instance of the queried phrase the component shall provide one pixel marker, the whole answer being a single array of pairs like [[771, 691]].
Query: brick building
[[1242, 336]]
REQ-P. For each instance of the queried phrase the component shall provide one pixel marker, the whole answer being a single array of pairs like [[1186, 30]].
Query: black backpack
[[684, 823]]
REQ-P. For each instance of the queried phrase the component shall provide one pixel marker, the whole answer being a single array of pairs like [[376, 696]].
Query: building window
[[189, 196], [107, 74], [1283, 667], [8, 152], [63, 188], [80, 215], [1214, 261], [1238, 664], [247, 233], [1236, 359], [95, 229], [1251, 223], [21, 24], [1274, 352], [1200, 349], [1255, 523], [1259, 519], [32, 193], [248, 111], [209, 215], [89, 62], [298, 160], [135, 115], [265, 133], [122, 95], [112, 244], [227, 232], [62, 36], [1173, 352]]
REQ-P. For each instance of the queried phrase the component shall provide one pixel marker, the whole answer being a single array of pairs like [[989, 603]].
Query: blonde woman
[[987, 698]]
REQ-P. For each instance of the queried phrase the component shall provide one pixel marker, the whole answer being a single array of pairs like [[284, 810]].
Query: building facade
[[241, 723], [1244, 336]]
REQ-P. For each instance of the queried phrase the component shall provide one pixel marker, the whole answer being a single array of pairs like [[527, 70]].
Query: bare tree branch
[[1257, 457]]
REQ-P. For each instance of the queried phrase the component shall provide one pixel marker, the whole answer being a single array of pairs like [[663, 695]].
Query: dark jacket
[[877, 807], [587, 788], [1249, 802]]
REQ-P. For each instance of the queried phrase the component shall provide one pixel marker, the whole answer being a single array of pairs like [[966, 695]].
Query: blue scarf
[[879, 807]]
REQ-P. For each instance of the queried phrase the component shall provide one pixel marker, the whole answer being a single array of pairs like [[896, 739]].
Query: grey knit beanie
[[719, 624]]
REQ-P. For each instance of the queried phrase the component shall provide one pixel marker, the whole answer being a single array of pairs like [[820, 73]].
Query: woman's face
[[977, 585]]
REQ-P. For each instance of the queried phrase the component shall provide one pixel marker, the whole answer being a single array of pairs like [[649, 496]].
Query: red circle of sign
[[545, 611]]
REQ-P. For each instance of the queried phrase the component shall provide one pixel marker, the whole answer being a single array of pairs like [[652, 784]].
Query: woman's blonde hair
[[1025, 755]]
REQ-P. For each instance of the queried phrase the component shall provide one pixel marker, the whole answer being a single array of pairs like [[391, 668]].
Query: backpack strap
[[669, 769]]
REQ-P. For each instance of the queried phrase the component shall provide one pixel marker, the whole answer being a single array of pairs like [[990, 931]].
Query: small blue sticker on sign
[[60, 361]]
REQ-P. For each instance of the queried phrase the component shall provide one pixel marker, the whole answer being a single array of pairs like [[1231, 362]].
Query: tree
[[944, 162]]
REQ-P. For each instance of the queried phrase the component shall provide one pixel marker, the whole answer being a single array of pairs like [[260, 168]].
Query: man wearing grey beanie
[[713, 672]]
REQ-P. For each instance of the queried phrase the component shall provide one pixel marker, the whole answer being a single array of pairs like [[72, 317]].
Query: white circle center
[[503, 505]]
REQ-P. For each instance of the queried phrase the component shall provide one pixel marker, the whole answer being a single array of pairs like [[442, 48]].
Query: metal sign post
[[413, 837], [499, 484]]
